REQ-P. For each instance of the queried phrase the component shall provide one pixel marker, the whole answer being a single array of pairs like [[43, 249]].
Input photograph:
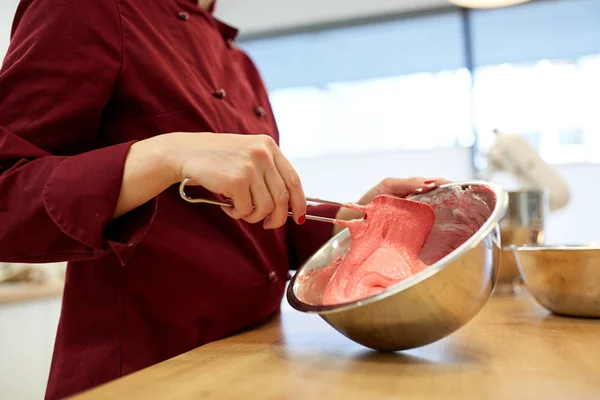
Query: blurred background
[[363, 90]]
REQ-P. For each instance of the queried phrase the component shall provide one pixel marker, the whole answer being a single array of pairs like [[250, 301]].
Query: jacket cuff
[[81, 197]]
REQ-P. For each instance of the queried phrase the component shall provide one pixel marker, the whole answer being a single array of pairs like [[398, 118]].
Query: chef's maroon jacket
[[81, 82]]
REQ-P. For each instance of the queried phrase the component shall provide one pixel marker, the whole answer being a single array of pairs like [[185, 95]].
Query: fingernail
[[431, 185], [302, 219], [429, 182], [419, 190]]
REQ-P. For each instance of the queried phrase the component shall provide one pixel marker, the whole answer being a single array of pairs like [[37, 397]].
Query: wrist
[[171, 151], [156, 158], [145, 176]]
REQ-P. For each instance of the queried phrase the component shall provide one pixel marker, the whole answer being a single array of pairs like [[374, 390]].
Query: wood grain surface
[[513, 349]]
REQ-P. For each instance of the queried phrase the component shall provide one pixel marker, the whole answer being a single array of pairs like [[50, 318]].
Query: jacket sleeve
[[304, 240], [59, 179]]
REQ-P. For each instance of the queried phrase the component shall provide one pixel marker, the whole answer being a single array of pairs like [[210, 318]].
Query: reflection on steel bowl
[[429, 305], [524, 223]]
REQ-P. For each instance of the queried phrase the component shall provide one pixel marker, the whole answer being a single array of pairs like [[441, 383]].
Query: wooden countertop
[[513, 349], [28, 291]]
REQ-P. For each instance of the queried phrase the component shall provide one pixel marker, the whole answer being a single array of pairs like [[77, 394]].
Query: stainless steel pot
[[524, 224]]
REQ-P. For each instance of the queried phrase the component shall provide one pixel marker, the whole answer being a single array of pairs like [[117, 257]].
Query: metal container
[[563, 279], [426, 307], [524, 224]]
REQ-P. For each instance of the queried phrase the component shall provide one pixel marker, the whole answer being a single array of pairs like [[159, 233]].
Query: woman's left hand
[[392, 187]]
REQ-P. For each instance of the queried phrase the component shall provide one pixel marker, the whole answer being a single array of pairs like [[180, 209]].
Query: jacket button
[[289, 276], [220, 93], [259, 111], [183, 16], [272, 277]]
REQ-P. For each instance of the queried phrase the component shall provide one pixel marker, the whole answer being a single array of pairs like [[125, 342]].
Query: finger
[[280, 196], [401, 187], [241, 197], [441, 181], [294, 187], [406, 187], [437, 181], [262, 201], [432, 183]]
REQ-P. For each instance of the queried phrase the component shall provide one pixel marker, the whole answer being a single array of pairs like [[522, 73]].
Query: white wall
[[579, 222], [267, 15], [7, 12], [27, 332]]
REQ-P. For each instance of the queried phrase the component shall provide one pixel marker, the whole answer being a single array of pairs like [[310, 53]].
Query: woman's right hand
[[248, 169]]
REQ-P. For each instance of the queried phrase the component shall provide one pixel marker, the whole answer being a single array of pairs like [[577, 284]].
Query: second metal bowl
[[563, 279], [429, 305]]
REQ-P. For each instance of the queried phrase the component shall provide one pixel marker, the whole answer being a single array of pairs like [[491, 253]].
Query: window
[[419, 111], [538, 69], [369, 89], [403, 84], [555, 99]]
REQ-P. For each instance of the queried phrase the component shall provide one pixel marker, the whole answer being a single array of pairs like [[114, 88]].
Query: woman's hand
[[393, 187], [248, 169]]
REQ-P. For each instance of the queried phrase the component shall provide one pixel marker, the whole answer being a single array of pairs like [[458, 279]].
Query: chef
[[105, 105]]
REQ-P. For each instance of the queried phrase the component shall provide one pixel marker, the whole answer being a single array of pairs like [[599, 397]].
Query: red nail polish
[[429, 181], [302, 219]]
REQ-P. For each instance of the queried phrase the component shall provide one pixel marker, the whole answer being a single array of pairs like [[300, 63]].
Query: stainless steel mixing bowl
[[523, 224], [563, 279], [426, 307]]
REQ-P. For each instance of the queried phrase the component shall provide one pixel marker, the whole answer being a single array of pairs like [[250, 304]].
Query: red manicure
[[429, 182], [302, 219]]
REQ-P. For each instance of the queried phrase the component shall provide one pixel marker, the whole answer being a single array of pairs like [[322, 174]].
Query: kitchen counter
[[16, 292], [512, 349]]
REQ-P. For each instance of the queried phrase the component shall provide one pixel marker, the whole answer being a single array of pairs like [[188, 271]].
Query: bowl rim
[[542, 191], [549, 247], [488, 226]]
